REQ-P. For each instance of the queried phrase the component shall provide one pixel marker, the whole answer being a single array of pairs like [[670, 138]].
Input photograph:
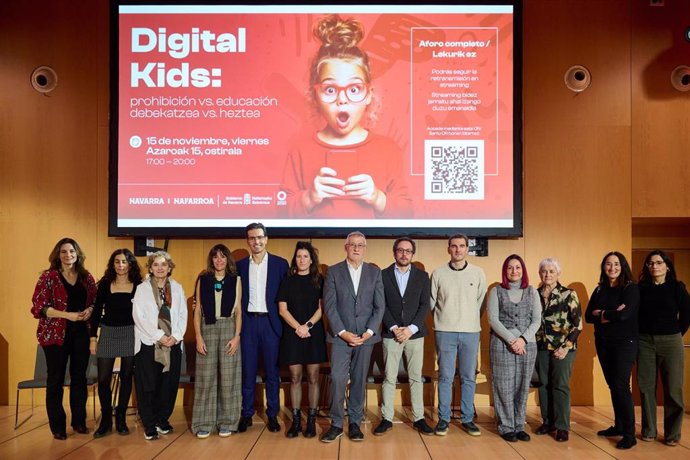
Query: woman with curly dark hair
[[613, 310], [113, 314]]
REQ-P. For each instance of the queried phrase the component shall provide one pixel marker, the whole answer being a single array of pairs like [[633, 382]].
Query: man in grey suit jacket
[[354, 303], [407, 306]]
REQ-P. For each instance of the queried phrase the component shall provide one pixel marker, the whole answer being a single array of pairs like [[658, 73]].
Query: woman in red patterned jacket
[[63, 302]]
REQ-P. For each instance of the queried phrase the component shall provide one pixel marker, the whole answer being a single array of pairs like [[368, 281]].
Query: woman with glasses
[[664, 319], [344, 170], [613, 310]]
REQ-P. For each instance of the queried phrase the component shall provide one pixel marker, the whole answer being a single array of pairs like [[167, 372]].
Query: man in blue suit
[[261, 274], [354, 304]]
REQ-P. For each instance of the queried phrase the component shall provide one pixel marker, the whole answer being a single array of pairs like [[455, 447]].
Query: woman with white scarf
[[160, 320]]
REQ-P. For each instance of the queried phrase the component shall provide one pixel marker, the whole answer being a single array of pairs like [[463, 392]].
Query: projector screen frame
[[305, 231]]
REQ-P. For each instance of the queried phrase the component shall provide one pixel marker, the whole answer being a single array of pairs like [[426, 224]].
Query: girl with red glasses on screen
[[344, 170]]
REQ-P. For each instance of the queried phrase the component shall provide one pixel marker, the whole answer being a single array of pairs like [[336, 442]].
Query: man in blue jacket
[[261, 274]]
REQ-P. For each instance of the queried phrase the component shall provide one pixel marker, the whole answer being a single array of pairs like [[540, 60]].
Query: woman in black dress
[[304, 341], [613, 310], [113, 313]]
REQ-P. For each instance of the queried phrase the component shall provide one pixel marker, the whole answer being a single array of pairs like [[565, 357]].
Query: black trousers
[[76, 349], [616, 357], [105, 375], [156, 390]]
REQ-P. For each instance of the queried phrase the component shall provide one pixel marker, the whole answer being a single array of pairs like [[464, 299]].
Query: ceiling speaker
[[680, 78], [44, 79], [577, 78]]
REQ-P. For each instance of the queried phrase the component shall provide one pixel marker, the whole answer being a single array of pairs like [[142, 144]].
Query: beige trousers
[[414, 353]]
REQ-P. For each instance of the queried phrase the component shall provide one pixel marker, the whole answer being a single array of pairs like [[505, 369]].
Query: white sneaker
[[202, 434], [224, 432], [164, 429]]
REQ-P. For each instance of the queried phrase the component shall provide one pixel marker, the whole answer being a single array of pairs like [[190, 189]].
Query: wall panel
[[660, 114], [577, 151], [48, 154]]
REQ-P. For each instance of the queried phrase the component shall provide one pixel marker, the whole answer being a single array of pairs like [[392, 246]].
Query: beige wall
[[585, 170]]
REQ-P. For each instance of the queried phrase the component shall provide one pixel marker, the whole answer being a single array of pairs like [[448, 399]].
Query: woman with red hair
[[514, 317]]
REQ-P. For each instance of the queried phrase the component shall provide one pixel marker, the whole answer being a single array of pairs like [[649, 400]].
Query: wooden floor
[[33, 441]]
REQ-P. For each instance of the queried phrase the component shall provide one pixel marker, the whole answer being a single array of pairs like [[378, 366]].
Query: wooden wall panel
[[563, 33], [660, 114], [577, 151], [48, 154]]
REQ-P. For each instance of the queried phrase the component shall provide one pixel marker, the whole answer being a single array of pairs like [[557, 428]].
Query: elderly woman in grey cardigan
[[514, 316]]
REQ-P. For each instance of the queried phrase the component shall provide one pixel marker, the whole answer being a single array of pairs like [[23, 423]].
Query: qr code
[[453, 170]]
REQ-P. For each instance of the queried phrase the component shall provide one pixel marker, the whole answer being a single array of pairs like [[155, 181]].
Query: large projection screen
[[393, 119]]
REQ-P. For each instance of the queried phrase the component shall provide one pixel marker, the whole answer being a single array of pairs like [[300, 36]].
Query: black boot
[[296, 423], [310, 429], [106, 425], [121, 421]]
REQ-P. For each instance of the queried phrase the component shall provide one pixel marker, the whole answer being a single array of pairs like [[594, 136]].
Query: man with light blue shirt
[[457, 292], [406, 290]]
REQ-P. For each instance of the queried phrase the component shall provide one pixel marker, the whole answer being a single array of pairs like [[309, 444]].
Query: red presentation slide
[[379, 116]]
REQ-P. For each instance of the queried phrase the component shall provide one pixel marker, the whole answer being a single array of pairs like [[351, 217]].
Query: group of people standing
[[642, 322], [264, 310], [141, 321]]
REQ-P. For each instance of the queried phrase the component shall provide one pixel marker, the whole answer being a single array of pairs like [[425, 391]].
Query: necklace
[[218, 285]]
